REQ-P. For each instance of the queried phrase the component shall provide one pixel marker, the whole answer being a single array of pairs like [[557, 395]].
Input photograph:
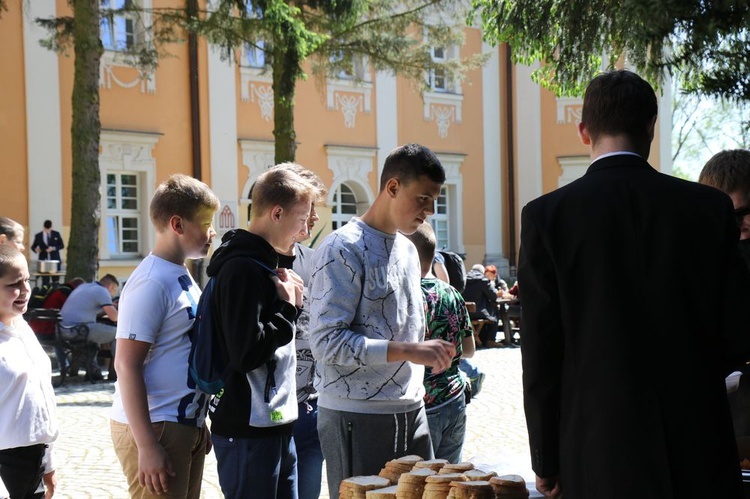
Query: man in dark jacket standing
[[47, 245], [623, 365], [255, 306]]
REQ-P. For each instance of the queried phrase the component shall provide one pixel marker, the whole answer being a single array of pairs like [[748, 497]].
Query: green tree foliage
[[706, 40], [701, 127]]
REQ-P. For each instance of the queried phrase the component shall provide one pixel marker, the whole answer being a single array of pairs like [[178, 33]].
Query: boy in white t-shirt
[[158, 415]]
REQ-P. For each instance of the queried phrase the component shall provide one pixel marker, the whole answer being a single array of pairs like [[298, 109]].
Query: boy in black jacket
[[255, 305]]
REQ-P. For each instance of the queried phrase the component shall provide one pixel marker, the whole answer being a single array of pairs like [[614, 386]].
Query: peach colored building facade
[[344, 131]]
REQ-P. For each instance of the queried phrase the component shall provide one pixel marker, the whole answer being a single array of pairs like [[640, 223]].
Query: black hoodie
[[253, 323]]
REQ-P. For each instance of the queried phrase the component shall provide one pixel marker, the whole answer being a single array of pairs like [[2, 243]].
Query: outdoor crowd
[[350, 353]]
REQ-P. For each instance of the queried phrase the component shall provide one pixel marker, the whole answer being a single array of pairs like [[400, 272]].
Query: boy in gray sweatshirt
[[367, 325]]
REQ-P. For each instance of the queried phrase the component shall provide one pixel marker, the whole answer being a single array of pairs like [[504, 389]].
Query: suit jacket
[[54, 239], [632, 296], [481, 291]]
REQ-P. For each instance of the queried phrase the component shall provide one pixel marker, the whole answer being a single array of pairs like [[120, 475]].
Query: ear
[[652, 129], [177, 224], [583, 134], [276, 212], [392, 187]]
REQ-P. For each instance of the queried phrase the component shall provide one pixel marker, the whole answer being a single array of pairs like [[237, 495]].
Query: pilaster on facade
[[386, 115], [528, 135], [222, 126], [492, 131], [43, 128], [350, 97]]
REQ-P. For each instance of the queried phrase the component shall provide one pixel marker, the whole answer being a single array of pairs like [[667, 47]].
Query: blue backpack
[[208, 363]]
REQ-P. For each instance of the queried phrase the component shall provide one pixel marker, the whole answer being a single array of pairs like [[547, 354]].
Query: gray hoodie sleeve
[[335, 302]]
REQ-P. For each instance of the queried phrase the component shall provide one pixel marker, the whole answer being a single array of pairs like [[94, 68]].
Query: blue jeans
[[257, 467], [448, 429], [309, 454]]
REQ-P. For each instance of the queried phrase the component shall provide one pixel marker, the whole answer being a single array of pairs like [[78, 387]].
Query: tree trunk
[[285, 70], [83, 246]]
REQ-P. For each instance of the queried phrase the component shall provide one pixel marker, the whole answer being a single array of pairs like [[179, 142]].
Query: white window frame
[[124, 153], [339, 218], [453, 191], [121, 214], [440, 221], [351, 165], [254, 55], [137, 37]]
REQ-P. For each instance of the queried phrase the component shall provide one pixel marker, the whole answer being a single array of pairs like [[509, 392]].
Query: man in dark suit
[[47, 245], [623, 362]]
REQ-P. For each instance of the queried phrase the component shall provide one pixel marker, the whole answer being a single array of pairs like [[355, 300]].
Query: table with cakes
[[412, 477]]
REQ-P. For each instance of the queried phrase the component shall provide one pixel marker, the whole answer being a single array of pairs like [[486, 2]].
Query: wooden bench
[[476, 324], [71, 341]]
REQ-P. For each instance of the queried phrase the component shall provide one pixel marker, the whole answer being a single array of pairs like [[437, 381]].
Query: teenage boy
[[367, 325], [158, 415], [447, 319], [255, 305], [299, 258], [729, 171]]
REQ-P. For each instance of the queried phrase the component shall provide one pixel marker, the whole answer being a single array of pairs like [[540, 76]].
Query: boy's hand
[[50, 484], [289, 285], [154, 469], [437, 354]]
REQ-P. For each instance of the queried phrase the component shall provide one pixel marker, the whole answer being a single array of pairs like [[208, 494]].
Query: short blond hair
[[279, 187], [310, 176], [183, 196]]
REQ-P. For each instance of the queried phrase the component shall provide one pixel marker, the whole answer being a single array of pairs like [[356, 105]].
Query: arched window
[[344, 206]]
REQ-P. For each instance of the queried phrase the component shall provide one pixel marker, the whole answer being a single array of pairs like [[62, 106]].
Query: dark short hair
[[9, 255], [48, 224], [728, 171], [409, 162], [425, 242], [183, 196], [109, 279], [619, 103]]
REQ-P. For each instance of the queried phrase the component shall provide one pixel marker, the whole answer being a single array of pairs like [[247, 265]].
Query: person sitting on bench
[[82, 307]]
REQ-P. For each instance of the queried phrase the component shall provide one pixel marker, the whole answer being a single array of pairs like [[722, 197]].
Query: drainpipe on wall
[[511, 161], [195, 114], [195, 117]]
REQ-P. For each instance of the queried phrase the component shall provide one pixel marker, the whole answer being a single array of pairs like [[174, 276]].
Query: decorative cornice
[[443, 109], [349, 97]]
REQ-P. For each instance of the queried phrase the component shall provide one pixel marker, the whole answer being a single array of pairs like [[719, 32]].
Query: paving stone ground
[[496, 435]]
